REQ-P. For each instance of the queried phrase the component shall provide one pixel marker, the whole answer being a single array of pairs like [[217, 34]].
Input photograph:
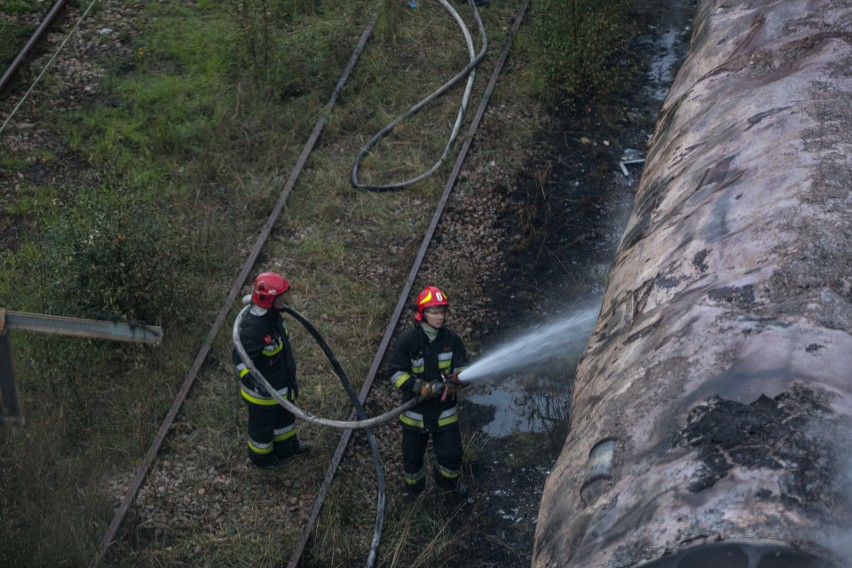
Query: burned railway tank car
[[712, 410]]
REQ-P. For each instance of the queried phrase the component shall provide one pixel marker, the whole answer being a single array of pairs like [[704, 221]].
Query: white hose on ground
[[469, 70]]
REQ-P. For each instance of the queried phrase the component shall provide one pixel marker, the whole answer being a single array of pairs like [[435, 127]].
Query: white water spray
[[567, 335]]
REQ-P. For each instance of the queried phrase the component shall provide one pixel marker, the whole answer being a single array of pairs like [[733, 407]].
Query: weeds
[[580, 49], [13, 35]]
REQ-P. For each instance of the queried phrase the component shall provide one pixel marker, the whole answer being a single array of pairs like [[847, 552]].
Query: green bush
[[275, 56], [580, 47], [118, 253]]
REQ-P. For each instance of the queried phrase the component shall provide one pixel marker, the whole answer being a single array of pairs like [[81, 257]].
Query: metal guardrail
[[10, 406], [115, 331]]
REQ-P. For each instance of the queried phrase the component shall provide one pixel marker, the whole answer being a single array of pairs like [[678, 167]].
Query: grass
[[175, 165]]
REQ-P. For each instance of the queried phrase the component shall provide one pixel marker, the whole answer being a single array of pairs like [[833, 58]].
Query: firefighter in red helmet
[[425, 363], [272, 435]]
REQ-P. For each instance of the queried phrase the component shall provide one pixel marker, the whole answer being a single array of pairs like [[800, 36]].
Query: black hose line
[[342, 424], [363, 423], [371, 438], [371, 143]]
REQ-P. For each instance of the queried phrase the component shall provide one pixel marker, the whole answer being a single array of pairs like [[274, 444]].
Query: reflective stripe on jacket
[[265, 339], [415, 357]]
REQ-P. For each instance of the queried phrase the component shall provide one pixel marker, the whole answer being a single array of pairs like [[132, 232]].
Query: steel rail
[[151, 455], [47, 65], [34, 40], [406, 290]]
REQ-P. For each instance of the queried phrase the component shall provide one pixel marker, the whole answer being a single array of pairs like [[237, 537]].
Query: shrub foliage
[[580, 47], [117, 254]]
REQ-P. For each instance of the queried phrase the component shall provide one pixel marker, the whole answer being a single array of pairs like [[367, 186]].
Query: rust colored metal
[[31, 44], [721, 362]]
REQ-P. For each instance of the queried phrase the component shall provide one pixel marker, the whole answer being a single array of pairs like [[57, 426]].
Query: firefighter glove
[[428, 390]]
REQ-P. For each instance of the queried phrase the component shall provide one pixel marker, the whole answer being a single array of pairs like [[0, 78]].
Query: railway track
[[32, 43], [153, 452]]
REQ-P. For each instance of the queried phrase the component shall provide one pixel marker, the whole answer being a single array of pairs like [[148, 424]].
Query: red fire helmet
[[430, 296], [267, 285]]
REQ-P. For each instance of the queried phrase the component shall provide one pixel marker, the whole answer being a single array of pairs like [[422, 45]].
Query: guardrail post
[[10, 408]]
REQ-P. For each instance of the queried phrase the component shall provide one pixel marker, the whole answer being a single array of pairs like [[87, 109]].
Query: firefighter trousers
[[271, 433], [447, 446]]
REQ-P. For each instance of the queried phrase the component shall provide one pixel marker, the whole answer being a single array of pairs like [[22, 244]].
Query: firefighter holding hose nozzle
[[425, 363]]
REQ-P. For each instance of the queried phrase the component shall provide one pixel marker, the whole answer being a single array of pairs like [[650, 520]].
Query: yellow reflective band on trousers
[[255, 398], [448, 473], [415, 478], [258, 448], [284, 433]]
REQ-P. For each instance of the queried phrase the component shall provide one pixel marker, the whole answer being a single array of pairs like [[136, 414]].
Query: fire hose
[[468, 71], [363, 421], [341, 424], [440, 388]]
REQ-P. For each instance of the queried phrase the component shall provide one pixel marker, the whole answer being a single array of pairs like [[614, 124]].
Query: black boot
[[454, 487], [410, 492], [301, 449], [268, 462]]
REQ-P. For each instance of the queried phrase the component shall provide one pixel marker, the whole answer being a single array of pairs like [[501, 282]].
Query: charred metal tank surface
[[712, 410]]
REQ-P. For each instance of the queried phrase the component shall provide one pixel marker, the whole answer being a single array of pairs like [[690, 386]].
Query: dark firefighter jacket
[[264, 337], [414, 357]]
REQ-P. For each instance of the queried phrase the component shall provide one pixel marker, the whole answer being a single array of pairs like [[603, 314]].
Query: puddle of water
[[516, 409], [665, 64], [527, 380]]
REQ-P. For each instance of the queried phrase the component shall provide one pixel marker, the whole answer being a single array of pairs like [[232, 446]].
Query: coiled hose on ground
[[468, 71]]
